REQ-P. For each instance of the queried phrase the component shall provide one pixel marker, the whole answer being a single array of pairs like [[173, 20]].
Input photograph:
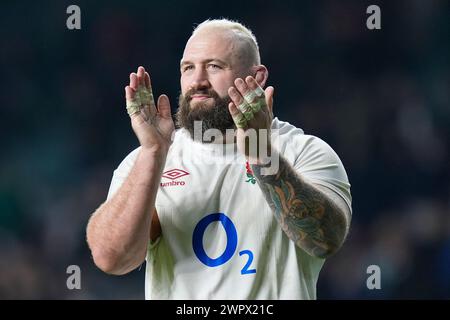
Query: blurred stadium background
[[380, 98]]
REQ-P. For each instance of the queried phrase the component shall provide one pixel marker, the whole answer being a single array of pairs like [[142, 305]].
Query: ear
[[260, 73]]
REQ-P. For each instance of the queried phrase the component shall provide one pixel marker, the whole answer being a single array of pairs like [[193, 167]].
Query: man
[[221, 219]]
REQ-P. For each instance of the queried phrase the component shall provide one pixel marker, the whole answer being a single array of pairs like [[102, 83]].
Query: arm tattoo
[[306, 215]]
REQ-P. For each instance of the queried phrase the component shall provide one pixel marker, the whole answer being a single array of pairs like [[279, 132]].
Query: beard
[[211, 117]]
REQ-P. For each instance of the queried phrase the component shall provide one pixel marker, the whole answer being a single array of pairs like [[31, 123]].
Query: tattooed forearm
[[306, 215]]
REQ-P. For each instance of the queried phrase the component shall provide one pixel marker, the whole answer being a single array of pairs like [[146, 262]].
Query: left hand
[[251, 109]]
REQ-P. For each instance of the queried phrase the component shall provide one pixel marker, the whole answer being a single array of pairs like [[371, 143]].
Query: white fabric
[[217, 183]]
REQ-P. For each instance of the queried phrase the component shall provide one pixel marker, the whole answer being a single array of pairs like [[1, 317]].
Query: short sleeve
[[318, 163], [122, 172]]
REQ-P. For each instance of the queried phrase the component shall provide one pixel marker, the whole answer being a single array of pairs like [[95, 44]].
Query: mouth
[[200, 97]]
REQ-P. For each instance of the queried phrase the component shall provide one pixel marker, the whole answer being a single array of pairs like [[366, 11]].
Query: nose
[[200, 79]]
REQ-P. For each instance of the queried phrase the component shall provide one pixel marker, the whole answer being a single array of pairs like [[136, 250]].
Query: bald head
[[236, 35]]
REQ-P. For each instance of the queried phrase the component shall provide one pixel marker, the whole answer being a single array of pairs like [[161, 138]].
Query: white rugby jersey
[[220, 239]]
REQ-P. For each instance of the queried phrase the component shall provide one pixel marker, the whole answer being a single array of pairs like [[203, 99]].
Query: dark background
[[380, 98]]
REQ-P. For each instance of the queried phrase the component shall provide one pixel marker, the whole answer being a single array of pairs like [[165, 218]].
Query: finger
[[269, 97], [133, 107], [146, 99], [148, 83], [254, 88], [164, 106], [241, 86], [238, 118], [145, 83], [141, 76], [141, 71], [251, 83], [253, 95], [133, 81], [145, 93], [241, 104], [129, 93], [235, 96]]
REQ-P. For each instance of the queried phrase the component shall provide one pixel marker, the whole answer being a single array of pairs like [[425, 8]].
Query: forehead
[[210, 44]]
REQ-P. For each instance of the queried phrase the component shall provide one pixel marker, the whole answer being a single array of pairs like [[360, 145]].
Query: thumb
[[269, 97], [164, 106]]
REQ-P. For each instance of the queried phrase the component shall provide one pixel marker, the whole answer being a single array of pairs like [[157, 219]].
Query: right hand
[[152, 125]]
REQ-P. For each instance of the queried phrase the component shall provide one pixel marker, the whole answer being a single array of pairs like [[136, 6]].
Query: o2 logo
[[232, 240]]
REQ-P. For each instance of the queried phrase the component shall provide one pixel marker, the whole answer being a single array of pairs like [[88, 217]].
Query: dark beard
[[216, 117]]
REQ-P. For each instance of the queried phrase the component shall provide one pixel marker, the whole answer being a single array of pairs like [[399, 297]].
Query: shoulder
[[313, 158], [284, 128], [128, 161], [293, 141]]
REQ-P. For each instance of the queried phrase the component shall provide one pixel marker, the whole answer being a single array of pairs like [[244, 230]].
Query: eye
[[187, 67], [214, 66]]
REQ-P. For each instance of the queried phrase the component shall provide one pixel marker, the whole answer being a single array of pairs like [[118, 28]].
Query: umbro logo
[[173, 175]]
